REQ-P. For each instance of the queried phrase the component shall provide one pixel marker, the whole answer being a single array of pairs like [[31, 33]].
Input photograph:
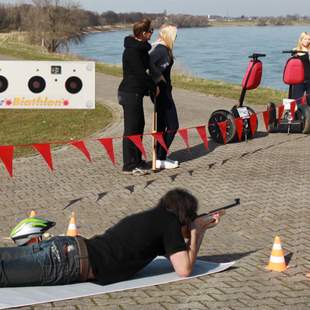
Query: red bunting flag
[[45, 151], [253, 123], [266, 119], [80, 145], [239, 127], [280, 112], [203, 135], [304, 100], [160, 139], [223, 128], [136, 139], [293, 107], [6, 155], [108, 145], [184, 135]]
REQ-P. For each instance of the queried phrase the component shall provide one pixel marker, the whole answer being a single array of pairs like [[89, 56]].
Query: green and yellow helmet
[[29, 228]]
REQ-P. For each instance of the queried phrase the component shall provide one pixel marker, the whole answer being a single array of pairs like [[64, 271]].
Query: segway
[[251, 80], [295, 117]]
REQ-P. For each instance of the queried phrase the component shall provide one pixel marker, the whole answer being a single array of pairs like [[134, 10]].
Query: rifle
[[221, 211]]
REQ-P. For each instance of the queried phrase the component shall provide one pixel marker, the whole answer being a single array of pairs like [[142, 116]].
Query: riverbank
[[254, 23]]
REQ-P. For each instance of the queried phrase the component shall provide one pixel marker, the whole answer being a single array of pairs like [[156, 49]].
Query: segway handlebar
[[293, 52], [256, 55], [222, 209]]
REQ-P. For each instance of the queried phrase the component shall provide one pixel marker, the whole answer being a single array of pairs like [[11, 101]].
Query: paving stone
[[270, 174]]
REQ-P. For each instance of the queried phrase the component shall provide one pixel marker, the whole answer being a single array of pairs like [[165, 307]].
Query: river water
[[216, 53]]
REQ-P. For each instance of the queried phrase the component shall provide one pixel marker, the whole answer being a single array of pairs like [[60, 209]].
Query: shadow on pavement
[[261, 134], [194, 152], [288, 257], [225, 258]]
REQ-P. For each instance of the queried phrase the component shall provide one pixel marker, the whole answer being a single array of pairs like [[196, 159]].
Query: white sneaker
[[165, 164], [172, 161]]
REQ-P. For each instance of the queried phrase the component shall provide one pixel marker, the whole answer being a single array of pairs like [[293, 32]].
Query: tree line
[[54, 23]]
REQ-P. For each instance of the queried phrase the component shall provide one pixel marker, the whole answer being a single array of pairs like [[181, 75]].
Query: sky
[[198, 7]]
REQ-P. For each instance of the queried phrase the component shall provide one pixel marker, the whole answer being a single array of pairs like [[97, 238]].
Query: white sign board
[[243, 112], [287, 103], [47, 85]]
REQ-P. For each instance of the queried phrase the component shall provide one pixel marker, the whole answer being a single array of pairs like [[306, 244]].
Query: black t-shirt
[[131, 244]]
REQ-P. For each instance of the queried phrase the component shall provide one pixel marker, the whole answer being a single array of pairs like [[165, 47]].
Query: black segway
[[294, 116], [251, 80]]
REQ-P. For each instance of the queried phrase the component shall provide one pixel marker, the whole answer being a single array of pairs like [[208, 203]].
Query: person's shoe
[[172, 161], [144, 165], [165, 164], [139, 171]]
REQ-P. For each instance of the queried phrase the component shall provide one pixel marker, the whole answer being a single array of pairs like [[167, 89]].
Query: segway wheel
[[214, 130], [305, 118], [272, 112]]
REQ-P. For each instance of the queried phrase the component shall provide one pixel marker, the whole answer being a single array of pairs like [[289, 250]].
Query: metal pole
[[154, 130]]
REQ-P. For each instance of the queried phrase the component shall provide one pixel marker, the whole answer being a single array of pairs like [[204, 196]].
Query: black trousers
[[299, 91], [133, 124], [167, 119]]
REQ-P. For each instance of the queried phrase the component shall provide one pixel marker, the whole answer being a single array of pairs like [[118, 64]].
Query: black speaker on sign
[[36, 84], [3, 84], [74, 85]]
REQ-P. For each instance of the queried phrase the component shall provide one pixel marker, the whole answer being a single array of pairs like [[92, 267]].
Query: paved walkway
[[270, 174]]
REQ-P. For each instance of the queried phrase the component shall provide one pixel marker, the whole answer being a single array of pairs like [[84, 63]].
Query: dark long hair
[[181, 203]]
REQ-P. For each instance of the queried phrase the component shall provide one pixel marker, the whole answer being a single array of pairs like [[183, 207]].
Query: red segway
[[296, 118], [251, 80]]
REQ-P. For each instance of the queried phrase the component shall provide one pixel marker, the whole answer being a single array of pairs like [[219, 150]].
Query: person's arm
[[183, 261]]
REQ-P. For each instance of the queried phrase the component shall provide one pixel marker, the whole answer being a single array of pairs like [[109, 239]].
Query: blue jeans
[[50, 262]]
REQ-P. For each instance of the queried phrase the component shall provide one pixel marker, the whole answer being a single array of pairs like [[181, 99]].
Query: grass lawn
[[20, 127]]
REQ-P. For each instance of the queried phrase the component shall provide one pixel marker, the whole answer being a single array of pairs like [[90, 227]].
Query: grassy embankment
[[22, 127]]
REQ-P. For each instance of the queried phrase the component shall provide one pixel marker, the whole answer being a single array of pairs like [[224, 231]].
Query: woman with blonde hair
[[161, 57], [303, 44]]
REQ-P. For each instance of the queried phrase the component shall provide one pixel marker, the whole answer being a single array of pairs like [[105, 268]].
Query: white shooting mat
[[159, 271]]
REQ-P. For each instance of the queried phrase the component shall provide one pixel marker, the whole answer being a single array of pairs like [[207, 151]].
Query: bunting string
[[44, 149]]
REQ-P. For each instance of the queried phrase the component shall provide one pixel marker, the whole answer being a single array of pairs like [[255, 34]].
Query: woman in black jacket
[[167, 117], [135, 85], [303, 45]]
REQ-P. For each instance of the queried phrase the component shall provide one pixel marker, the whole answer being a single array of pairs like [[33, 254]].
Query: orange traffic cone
[[277, 261], [33, 213], [72, 230]]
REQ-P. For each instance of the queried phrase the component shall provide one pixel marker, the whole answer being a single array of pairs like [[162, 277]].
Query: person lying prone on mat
[[118, 253]]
